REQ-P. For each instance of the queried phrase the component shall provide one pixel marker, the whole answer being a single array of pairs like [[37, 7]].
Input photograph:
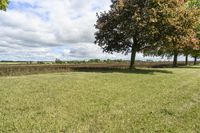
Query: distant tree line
[[107, 61]]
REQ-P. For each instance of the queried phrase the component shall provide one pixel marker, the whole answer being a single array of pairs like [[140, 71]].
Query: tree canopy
[[3, 4], [194, 5], [125, 28], [132, 26]]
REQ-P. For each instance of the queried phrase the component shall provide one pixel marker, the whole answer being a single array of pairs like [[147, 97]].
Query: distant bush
[[58, 61], [94, 61], [40, 62], [149, 60], [29, 62], [115, 61], [76, 62]]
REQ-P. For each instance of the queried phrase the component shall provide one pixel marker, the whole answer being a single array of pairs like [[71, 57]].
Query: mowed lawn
[[144, 101]]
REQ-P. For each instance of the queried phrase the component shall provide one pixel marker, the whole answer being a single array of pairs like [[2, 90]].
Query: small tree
[[195, 54], [186, 53]]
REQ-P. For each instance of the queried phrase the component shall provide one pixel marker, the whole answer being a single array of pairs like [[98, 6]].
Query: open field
[[113, 101]]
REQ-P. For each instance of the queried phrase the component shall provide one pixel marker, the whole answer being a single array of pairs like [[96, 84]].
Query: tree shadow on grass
[[122, 70], [190, 67], [182, 67], [170, 66]]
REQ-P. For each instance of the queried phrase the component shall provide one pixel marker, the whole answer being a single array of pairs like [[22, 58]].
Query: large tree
[[127, 27], [177, 30], [3, 4], [185, 34], [194, 5], [132, 26]]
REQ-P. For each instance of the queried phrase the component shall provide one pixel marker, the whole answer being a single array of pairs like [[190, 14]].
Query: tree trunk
[[186, 59], [133, 56], [175, 59], [195, 60]]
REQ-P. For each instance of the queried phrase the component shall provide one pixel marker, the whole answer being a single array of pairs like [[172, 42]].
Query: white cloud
[[35, 24], [88, 51], [49, 29]]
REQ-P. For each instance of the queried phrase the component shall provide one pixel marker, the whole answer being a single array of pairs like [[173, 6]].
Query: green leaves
[[3, 4], [117, 28], [194, 3], [163, 26], [127, 27]]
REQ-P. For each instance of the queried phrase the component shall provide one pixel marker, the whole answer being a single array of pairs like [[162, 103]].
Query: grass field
[[117, 101]]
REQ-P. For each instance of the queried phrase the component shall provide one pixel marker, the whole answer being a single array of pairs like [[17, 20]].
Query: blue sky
[[46, 30]]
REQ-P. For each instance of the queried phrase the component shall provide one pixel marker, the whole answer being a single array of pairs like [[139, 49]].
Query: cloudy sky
[[49, 29]]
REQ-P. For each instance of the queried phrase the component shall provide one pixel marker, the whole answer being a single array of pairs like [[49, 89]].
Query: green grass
[[144, 101]]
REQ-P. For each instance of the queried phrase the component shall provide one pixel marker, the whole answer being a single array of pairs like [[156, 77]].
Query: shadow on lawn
[[168, 66], [124, 70], [190, 67]]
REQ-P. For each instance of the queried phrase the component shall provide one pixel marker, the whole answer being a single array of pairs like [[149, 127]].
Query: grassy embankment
[[147, 100]]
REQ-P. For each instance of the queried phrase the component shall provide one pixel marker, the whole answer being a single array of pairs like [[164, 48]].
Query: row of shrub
[[10, 70]]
